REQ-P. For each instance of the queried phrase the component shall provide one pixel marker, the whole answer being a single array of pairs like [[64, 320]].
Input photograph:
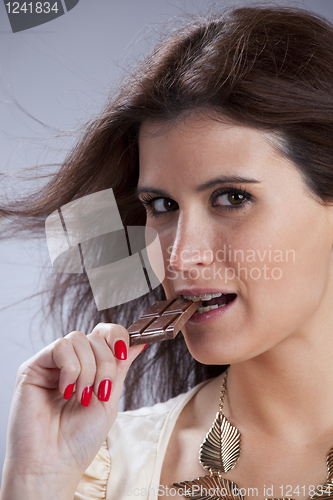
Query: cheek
[[165, 244], [284, 271], [170, 274]]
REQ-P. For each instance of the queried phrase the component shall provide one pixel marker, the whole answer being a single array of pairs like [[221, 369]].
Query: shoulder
[[132, 454]]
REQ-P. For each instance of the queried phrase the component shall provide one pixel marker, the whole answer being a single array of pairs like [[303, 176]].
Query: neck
[[290, 384]]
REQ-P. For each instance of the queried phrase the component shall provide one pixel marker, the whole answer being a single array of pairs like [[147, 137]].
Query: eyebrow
[[225, 179]]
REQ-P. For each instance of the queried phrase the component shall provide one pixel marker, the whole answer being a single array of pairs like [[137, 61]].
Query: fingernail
[[104, 390], [86, 396], [143, 348], [120, 349], [69, 391]]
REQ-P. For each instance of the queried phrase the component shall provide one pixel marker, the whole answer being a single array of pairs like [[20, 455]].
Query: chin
[[207, 353], [206, 349]]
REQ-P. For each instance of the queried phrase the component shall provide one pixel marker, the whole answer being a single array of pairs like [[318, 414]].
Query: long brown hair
[[265, 67]]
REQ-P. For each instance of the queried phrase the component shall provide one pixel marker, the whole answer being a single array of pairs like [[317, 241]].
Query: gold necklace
[[220, 452]]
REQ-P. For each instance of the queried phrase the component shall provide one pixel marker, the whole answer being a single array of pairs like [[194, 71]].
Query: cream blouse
[[130, 461]]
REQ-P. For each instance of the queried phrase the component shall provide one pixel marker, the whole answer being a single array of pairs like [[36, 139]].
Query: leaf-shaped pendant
[[221, 447], [209, 488], [329, 463], [324, 492]]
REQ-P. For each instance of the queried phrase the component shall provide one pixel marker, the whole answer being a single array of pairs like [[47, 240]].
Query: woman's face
[[235, 217]]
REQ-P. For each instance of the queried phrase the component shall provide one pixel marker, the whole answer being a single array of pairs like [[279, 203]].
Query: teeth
[[208, 296], [201, 310]]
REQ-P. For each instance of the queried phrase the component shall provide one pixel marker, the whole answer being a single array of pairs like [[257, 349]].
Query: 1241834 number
[[29, 7]]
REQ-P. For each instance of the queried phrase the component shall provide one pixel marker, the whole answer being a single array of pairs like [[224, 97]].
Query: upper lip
[[201, 291]]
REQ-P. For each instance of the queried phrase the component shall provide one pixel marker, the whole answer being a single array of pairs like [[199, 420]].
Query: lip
[[210, 316], [202, 291]]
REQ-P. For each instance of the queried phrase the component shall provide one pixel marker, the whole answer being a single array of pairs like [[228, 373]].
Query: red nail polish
[[104, 390], [120, 350], [69, 391], [144, 347], [86, 396]]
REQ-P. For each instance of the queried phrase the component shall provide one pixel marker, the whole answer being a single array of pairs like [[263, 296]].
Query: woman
[[224, 135]]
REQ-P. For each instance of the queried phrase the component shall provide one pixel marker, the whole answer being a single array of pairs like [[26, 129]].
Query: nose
[[192, 245]]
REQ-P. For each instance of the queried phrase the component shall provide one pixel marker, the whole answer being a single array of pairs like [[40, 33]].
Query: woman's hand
[[62, 410]]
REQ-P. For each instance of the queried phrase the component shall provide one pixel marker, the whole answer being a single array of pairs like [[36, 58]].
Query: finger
[[116, 337], [106, 366], [65, 358], [86, 358]]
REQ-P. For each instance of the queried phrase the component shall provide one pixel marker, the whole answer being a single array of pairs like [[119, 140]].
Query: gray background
[[60, 73]]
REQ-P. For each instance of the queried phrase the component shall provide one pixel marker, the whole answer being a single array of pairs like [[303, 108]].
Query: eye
[[156, 205], [162, 205], [231, 198]]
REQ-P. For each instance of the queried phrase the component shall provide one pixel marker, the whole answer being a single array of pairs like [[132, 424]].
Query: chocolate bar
[[162, 321]]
